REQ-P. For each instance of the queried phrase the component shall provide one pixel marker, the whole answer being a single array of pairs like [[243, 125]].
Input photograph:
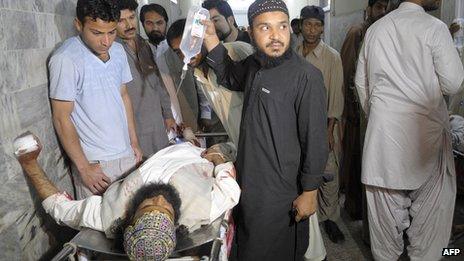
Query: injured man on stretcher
[[181, 185]]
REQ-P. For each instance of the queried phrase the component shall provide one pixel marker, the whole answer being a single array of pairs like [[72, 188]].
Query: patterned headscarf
[[152, 237], [264, 6]]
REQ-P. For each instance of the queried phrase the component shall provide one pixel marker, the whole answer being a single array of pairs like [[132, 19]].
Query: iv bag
[[194, 32]]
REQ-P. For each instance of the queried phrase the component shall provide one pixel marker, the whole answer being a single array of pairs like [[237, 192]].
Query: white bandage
[[25, 144]]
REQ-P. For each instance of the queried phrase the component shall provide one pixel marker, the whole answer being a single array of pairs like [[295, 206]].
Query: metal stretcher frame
[[96, 241], [211, 134]]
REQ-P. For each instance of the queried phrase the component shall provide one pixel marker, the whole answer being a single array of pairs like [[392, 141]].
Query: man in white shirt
[[92, 109], [408, 62], [204, 181], [154, 19]]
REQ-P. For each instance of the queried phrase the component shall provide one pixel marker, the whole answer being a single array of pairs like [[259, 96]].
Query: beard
[[267, 61], [155, 37], [223, 35]]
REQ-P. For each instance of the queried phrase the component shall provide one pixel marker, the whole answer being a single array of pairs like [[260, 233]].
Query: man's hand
[[26, 158], [94, 178], [213, 156], [454, 28], [330, 131], [211, 39], [188, 135], [171, 125], [305, 205], [137, 153], [205, 125], [331, 139]]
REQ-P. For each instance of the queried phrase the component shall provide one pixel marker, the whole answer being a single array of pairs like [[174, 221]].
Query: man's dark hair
[[150, 191], [106, 10], [221, 6], [372, 2], [295, 22], [128, 4], [153, 8], [175, 30]]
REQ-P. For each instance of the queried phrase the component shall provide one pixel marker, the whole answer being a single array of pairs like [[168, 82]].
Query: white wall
[[452, 9], [295, 6], [186, 4], [240, 8], [343, 15], [459, 8], [341, 7], [173, 10]]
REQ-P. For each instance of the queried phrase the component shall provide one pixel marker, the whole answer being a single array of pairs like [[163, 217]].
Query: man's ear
[[250, 32], [368, 12], [231, 20], [78, 24]]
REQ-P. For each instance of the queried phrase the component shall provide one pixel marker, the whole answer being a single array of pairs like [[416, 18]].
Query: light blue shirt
[[78, 75]]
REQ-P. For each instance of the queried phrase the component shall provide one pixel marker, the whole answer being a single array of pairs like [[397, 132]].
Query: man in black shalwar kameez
[[283, 136]]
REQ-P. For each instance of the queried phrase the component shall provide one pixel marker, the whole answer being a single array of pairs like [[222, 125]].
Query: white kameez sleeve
[[226, 192], [448, 65], [361, 80], [75, 213]]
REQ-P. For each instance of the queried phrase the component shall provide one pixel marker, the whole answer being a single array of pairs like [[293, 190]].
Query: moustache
[[129, 30], [275, 42], [157, 33]]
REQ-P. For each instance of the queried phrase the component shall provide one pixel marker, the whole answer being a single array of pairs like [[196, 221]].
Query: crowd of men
[[303, 120]]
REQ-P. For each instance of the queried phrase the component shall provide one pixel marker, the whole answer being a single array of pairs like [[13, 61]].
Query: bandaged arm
[[73, 213], [226, 192]]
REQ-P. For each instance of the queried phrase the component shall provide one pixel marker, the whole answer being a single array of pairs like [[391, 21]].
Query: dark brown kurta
[[282, 150], [149, 97], [350, 172]]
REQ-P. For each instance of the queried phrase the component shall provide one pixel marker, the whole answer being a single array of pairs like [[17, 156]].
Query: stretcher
[[202, 244]]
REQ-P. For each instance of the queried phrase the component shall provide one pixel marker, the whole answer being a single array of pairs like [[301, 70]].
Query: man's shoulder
[[418, 23], [69, 49], [117, 49], [239, 50], [237, 44], [304, 67], [355, 29], [436, 23], [331, 51]]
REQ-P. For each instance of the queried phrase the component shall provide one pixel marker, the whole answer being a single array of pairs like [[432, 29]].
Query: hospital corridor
[[241, 130]]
